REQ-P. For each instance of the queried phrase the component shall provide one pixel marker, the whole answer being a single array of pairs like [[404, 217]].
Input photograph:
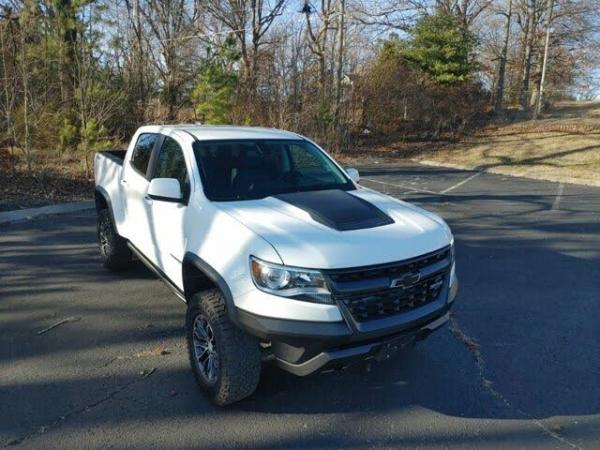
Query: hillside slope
[[564, 145]]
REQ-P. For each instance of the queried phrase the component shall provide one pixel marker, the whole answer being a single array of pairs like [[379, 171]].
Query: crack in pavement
[[88, 407], [474, 348]]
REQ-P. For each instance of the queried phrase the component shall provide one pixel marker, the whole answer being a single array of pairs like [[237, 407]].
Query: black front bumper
[[379, 349], [302, 347]]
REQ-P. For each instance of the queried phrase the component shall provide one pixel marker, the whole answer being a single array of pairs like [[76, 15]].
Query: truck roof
[[216, 132]]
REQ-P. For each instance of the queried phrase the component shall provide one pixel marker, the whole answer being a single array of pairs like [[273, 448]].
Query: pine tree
[[442, 47]]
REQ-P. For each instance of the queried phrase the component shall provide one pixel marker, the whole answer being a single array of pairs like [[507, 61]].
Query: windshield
[[251, 169]]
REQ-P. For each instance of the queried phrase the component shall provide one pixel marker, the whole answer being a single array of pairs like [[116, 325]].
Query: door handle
[[123, 181]]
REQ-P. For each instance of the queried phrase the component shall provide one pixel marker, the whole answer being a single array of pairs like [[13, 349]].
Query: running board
[[159, 273]]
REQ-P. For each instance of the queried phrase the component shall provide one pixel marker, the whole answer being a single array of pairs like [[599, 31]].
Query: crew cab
[[280, 254]]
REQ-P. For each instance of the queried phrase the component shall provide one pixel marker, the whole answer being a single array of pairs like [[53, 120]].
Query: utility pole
[[340, 58], [502, 68], [538, 108]]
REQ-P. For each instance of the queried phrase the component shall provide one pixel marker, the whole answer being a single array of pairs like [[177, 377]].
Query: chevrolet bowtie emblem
[[406, 280]]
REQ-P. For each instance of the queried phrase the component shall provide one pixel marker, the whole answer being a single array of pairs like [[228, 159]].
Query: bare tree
[[318, 37], [249, 21], [467, 10], [390, 14], [170, 26]]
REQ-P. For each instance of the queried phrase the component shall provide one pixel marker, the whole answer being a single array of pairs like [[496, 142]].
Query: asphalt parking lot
[[519, 365]]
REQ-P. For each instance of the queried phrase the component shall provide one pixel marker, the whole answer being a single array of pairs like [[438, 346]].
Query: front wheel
[[225, 360]]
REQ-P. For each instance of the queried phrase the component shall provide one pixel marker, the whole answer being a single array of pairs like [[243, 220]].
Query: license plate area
[[390, 347]]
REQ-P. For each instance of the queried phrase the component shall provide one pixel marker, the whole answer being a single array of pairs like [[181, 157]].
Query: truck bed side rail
[[115, 155]]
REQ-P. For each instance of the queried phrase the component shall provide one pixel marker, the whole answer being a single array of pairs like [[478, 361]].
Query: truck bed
[[108, 165]]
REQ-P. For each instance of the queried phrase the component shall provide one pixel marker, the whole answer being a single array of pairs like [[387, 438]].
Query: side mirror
[[353, 174], [165, 189]]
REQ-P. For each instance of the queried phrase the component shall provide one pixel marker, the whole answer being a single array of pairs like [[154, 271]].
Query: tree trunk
[[26, 124], [68, 24], [529, 33], [502, 68]]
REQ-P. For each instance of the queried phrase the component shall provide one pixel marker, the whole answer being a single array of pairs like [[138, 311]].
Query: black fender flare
[[102, 192], [216, 278]]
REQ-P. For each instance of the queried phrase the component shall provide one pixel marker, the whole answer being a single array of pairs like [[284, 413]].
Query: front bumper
[[305, 347], [378, 350]]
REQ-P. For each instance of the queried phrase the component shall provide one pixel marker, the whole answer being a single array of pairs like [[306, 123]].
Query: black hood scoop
[[337, 209]]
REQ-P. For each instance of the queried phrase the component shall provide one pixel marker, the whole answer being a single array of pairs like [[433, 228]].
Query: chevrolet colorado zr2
[[279, 253]]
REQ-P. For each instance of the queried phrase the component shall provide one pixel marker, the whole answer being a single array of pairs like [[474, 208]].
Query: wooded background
[[81, 75]]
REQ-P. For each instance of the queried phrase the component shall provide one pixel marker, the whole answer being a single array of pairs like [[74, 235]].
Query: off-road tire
[[239, 356], [115, 253]]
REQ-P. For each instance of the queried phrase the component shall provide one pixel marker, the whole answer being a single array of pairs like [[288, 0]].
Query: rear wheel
[[113, 248], [225, 360]]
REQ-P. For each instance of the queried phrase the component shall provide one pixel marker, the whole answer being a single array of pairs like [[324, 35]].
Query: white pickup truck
[[278, 252]]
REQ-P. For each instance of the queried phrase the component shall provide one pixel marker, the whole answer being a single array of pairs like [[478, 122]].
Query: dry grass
[[389, 151], [563, 146]]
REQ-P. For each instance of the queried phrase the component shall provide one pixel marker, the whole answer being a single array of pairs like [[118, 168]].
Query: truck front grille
[[367, 294], [384, 303]]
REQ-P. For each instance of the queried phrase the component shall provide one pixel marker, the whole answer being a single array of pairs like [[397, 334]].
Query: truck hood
[[305, 235]]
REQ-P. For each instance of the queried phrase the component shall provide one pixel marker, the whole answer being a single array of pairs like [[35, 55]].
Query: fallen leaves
[[161, 350]]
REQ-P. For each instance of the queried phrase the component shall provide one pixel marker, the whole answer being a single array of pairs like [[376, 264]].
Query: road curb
[[429, 162], [21, 215]]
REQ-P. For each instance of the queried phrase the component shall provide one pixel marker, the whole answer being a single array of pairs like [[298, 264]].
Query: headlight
[[292, 282]]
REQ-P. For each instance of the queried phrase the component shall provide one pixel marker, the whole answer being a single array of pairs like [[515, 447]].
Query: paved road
[[519, 366]]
